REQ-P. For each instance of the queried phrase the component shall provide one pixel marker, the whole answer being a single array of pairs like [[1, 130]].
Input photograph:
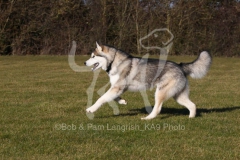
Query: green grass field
[[42, 115]]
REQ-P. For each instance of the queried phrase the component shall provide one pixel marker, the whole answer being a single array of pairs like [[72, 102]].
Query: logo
[[163, 53]]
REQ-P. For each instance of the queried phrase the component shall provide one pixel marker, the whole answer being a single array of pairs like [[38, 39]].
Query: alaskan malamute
[[134, 74]]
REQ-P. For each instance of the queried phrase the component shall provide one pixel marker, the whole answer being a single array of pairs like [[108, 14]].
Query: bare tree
[[37, 27]]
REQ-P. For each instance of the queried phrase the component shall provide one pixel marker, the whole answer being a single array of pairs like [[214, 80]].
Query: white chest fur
[[114, 78]]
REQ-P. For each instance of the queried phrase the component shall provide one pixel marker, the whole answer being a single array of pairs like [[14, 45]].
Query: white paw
[[192, 114], [148, 117], [122, 101], [90, 109]]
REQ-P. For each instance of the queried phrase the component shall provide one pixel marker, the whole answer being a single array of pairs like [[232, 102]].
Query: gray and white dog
[[134, 74]]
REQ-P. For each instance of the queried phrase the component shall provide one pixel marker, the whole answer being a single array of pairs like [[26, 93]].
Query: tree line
[[48, 27]]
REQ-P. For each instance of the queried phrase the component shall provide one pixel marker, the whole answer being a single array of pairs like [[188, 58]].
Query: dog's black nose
[[84, 63]]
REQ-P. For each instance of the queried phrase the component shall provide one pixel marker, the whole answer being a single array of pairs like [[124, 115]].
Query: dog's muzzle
[[95, 65]]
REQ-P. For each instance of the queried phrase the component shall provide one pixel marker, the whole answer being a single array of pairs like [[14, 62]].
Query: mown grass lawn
[[42, 115]]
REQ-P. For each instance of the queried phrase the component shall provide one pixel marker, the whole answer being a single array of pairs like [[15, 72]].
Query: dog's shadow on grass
[[181, 111]]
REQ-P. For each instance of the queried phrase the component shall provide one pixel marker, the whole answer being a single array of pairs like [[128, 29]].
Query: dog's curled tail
[[198, 68]]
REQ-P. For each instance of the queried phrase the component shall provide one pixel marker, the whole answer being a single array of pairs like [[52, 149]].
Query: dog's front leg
[[111, 94]]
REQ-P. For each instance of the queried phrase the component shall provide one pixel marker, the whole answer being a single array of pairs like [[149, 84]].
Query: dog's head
[[99, 58]]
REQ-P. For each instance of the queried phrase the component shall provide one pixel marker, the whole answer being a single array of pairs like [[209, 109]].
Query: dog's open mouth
[[95, 66]]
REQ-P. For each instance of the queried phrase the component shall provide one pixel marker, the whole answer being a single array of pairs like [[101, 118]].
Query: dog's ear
[[99, 47]]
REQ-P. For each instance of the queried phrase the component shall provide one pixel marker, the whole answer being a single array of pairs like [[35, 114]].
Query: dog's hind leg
[[183, 99], [163, 92], [159, 98]]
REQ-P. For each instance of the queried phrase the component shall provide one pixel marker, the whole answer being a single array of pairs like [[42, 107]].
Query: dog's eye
[[93, 56]]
